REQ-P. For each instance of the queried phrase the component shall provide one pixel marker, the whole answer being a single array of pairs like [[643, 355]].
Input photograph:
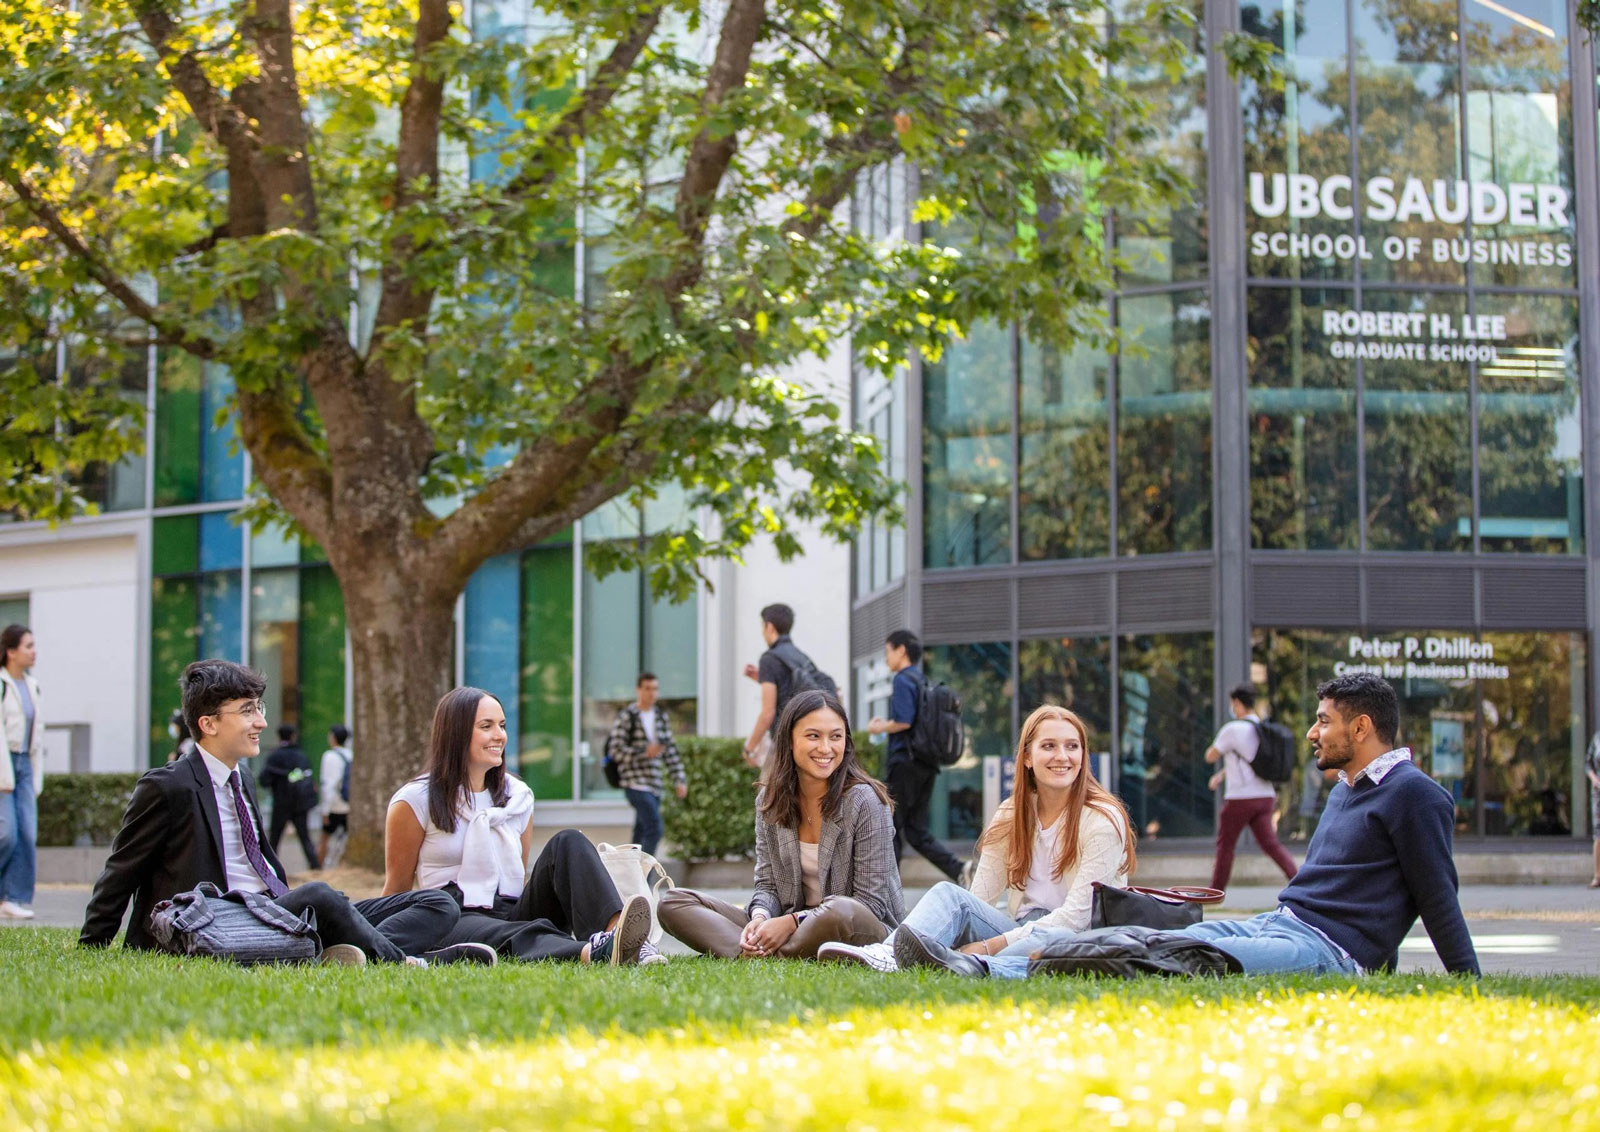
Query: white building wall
[[83, 588]]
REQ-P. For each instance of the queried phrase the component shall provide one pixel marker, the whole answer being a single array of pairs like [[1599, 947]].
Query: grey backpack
[[246, 927]]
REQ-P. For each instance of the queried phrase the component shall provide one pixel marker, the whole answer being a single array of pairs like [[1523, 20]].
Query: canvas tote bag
[[636, 873]]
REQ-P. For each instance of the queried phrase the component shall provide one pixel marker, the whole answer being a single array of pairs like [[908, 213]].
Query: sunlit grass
[[110, 1040]]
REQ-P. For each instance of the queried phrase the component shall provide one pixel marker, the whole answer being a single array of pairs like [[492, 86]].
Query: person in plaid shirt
[[641, 740]]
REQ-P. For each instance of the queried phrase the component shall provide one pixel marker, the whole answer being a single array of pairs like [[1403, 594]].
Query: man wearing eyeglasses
[[196, 820]]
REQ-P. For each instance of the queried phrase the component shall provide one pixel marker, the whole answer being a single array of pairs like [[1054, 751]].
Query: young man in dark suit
[[196, 820]]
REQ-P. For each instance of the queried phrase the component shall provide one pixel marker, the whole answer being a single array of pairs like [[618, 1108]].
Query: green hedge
[[717, 819], [74, 805]]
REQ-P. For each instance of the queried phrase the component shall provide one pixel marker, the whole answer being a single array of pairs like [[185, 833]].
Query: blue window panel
[[221, 542], [222, 617], [222, 461], [493, 609]]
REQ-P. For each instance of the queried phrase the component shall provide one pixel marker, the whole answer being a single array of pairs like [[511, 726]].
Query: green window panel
[[177, 545], [177, 439], [321, 658], [546, 689], [174, 637]]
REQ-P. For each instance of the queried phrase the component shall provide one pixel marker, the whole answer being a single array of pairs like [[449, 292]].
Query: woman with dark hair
[[825, 867], [1058, 834], [466, 826], [21, 772]]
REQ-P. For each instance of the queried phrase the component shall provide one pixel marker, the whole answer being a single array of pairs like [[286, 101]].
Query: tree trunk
[[402, 647]]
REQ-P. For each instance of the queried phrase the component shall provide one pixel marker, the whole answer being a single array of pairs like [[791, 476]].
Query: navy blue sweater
[[1381, 857]]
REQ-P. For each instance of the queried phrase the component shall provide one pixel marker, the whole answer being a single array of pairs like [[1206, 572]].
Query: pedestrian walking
[[21, 772], [294, 791], [178, 731], [334, 780], [1249, 798], [782, 671], [911, 773], [1591, 768], [640, 743]]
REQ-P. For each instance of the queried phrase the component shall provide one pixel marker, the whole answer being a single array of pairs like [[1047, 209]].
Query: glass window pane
[[119, 486], [174, 641], [981, 675], [544, 746], [672, 652], [1530, 431], [14, 611], [176, 547], [1519, 130], [1302, 424], [1167, 723], [222, 616], [273, 546], [1534, 735], [275, 641], [1164, 424], [967, 451], [222, 460], [177, 439], [221, 542], [1419, 435], [612, 650], [1298, 139], [1408, 107], [321, 675], [490, 605], [617, 519], [1070, 672], [1064, 482]]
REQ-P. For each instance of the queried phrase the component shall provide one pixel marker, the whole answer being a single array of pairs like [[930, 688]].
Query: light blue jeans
[[1273, 943], [19, 834], [953, 916]]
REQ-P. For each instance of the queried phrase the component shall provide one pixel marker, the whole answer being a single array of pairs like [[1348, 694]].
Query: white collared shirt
[[1379, 766], [241, 873]]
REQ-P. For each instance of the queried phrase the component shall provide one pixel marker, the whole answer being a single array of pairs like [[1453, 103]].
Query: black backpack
[[344, 781], [936, 736], [805, 675], [609, 767], [1274, 761]]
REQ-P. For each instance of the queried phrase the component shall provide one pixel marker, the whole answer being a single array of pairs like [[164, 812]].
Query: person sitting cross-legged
[[1059, 834], [196, 820], [1380, 858], [464, 829]]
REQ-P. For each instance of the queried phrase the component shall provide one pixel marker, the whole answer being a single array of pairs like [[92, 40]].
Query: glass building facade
[[1347, 430]]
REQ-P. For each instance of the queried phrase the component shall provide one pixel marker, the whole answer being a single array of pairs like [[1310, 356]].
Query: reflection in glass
[[544, 747], [275, 641], [1164, 424], [1302, 425], [1167, 724], [1530, 435], [1534, 737], [1419, 436], [981, 676], [1070, 672], [489, 608], [967, 451], [1065, 447]]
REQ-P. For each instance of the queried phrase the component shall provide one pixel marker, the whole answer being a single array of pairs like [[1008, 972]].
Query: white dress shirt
[[241, 873]]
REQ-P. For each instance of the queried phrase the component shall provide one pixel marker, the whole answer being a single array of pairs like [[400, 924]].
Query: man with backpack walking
[[639, 745], [335, 784], [294, 791], [782, 671], [919, 728], [1254, 755]]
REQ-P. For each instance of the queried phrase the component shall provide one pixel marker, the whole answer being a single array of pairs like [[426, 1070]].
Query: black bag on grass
[[1163, 908], [1130, 952]]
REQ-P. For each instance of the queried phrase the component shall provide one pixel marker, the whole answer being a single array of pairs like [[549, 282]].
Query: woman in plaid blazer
[[825, 867]]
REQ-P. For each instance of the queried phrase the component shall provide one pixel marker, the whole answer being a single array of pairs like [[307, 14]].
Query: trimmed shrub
[[78, 805], [718, 817]]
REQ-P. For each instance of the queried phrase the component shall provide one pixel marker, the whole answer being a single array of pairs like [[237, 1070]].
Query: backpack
[[344, 781], [804, 675], [1274, 761], [608, 765], [936, 736], [246, 927]]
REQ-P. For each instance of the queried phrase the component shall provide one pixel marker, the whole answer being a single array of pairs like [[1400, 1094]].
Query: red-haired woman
[[1059, 833]]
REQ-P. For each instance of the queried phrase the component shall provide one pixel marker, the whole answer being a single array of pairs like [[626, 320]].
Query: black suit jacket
[[170, 841]]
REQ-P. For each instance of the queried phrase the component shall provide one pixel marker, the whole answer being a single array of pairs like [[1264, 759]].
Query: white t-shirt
[[1044, 891], [647, 719], [439, 860], [1238, 742]]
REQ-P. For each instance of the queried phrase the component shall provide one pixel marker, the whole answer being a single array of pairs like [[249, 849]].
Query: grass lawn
[[97, 1040]]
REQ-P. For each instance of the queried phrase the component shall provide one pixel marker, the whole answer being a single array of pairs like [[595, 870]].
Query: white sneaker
[[878, 956], [13, 911]]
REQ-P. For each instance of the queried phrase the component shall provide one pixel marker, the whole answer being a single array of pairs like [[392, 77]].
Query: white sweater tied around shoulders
[[491, 852]]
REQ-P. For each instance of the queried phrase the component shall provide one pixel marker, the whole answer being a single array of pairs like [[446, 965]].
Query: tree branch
[[222, 119], [712, 150], [283, 158], [167, 331]]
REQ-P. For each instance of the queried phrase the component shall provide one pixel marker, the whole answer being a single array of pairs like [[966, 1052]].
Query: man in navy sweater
[[1379, 859]]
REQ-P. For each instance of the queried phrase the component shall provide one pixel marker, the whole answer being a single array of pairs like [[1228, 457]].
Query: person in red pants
[[1249, 799]]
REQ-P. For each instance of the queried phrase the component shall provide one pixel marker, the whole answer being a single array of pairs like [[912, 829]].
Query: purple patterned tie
[[252, 843]]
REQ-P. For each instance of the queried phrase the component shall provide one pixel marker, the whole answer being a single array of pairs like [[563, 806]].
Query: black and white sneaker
[[649, 956], [479, 953], [621, 947], [913, 949], [878, 956]]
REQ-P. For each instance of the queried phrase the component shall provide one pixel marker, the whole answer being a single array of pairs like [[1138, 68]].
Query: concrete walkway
[[1518, 929]]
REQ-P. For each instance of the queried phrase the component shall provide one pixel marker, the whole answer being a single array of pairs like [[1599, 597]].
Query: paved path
[[1527, 929]]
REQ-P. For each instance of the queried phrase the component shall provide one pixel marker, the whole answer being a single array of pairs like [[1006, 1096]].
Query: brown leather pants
[[713, 927]]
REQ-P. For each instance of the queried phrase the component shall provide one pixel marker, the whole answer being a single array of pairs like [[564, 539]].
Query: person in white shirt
[[1058, 835], [335, 806], [466, 826], [21, 772], [1249, 799]]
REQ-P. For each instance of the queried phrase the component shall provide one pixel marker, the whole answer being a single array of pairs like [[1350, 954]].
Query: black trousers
[[387, 928], [911, 786], [568, 897], [302, 826]]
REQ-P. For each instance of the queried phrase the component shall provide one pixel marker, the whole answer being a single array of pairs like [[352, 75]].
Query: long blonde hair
[[1017, 834]]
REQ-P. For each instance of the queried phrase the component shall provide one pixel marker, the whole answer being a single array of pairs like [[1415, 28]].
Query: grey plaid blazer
[[855, 857]]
